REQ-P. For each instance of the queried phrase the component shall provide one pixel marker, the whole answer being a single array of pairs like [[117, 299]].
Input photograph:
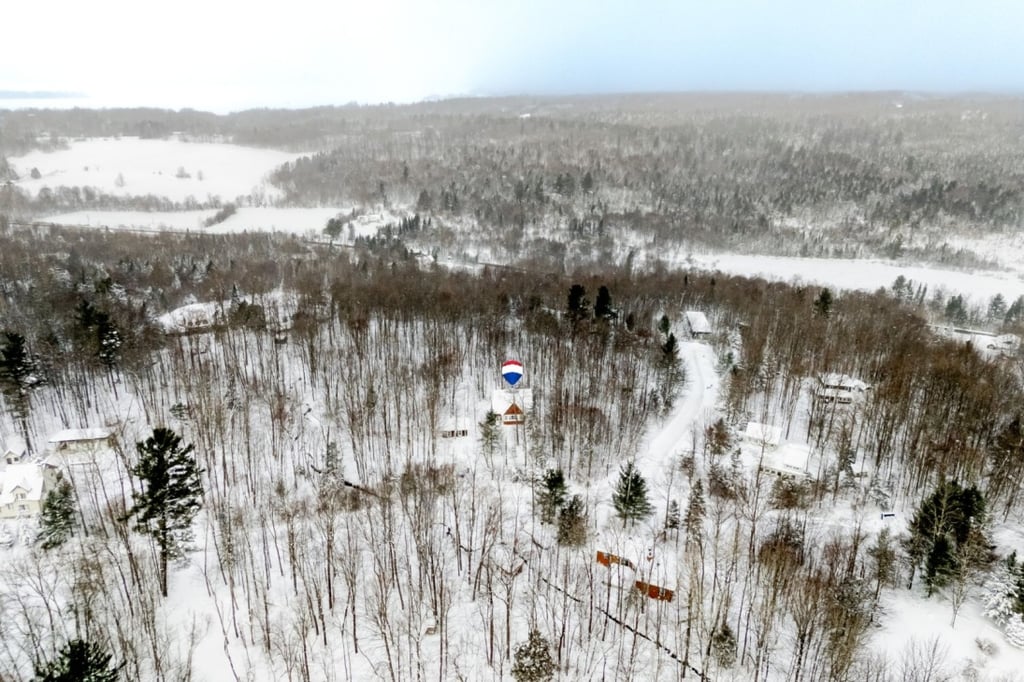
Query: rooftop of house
[[24, 479], [15, 445], [763, 433], [789, 458], [843, 381], [75, 435]]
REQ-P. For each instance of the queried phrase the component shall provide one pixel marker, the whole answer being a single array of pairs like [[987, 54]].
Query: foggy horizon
[[230, 57]]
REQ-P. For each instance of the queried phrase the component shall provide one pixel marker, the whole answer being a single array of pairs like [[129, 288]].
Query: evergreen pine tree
[[823, 304], [19, 374], [671, 371], [572, 523], [883, 560], [78, 661], [718, 438], [489, 434], [603, 304], [171, 495], [938, 562], [943, 526], [1015, 312], [587, 184], [670, 351], [630, 496], [997, 308], [577, 303], [693, 522], [331, 459], [672, 519], [551, 495], [664, 325], [57, 521], [532, 660], [723, 646]]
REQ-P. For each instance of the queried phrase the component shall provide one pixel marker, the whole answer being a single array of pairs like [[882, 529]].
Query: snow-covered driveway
[[693, 404]]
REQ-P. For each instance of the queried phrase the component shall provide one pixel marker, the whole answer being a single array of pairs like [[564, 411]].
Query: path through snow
[[693, 405]]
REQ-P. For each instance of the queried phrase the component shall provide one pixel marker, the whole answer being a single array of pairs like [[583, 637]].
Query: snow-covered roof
[[789, 458], [698, 322], [73, 435], [842, 381], [15, 445], [21, 478], [501, 399], [766, 434], [189, 316]]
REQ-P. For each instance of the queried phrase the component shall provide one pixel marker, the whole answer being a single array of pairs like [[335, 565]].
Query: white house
[[839, 388], [698, 324], [15, 450], [23, 489], [789, 459], [79, 446], [512, 406], [455, 427], [763, 435]]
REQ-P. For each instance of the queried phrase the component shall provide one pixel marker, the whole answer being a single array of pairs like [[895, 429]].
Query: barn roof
[[698, 322]]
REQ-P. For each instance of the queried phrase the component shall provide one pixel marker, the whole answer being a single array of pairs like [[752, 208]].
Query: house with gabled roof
[[23, 488], [14, 450], [511, 406]]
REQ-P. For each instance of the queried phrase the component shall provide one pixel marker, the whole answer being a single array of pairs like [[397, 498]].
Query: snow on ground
[[300, 221], [911, 627], [1006, 250], [695, 405], [655, 462], [129, 166], [865, 275], [134, 220]]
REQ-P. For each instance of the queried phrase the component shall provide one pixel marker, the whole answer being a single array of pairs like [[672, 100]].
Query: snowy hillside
[[171, 168]]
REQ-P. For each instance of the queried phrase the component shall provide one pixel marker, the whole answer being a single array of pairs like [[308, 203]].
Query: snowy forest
[[271, 456], [573, 179]]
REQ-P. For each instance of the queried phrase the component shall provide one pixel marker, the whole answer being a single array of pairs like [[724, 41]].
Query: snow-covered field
[[129, 166], [255, 219], [864, 275]]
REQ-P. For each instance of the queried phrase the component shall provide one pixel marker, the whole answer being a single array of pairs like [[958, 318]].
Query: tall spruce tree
[[551, 494], [577, 304], [19, 374], [943, 526], [78, 661], [603, 304], [694, 519], [171, 495], [532, 660], [490, 434], [630, 496], [57, 521], [572, 523], [823, 304], [672, 515]]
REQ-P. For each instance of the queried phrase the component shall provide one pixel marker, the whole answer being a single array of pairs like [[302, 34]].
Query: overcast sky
[[225, 55]]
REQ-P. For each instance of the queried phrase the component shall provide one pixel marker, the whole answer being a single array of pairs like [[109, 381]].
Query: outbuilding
[[697, 323]]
